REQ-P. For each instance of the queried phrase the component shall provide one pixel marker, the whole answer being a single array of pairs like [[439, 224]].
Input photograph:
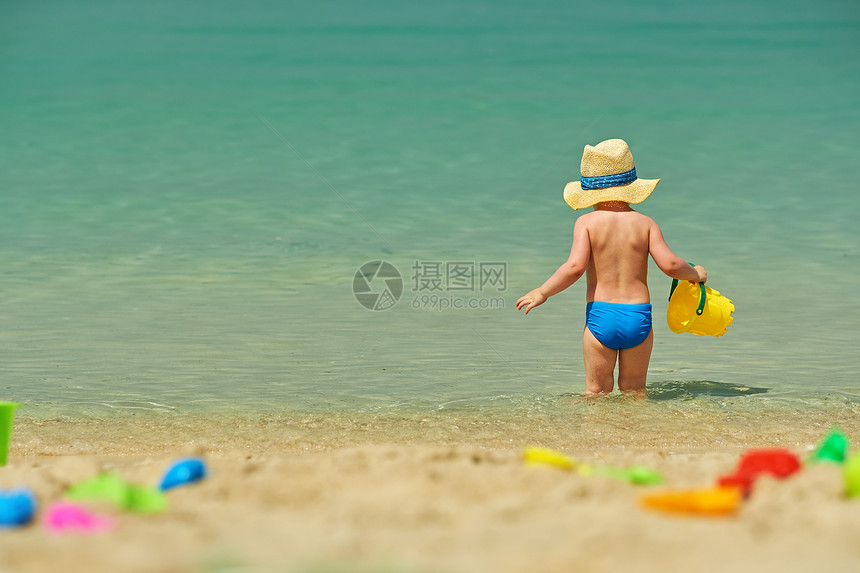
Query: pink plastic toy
[[63, 517]]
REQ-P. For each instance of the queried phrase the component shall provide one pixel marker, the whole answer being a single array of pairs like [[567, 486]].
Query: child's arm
[[670, 263], [566, 275]]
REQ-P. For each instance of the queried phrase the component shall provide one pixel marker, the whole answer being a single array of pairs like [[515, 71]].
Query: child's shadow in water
[[686, 389]]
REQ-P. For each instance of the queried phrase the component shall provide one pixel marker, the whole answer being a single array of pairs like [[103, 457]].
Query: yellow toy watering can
[[698, 309]]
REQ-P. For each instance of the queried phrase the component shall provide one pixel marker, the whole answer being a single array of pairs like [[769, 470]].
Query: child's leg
[[633, 365], [599, 365]]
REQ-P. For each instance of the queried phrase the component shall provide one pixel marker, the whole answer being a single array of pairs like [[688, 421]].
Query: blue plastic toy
[[183, 471], [17, 507]]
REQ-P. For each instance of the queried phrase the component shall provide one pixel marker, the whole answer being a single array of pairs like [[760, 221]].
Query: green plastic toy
[[126, 496], [637, 475], [7, 415], [145, 499], [851, 471], [833, 448]]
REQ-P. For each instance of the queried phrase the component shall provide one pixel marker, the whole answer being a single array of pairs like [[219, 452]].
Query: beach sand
[[418, 493]]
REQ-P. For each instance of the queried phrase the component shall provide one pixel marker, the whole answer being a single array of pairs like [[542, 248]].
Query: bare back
[[618, 266]]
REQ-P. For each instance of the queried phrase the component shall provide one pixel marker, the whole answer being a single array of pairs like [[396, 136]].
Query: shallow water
[[187, 193]]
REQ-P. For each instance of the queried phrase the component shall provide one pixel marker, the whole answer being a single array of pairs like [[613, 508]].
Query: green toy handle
[[701, 308]]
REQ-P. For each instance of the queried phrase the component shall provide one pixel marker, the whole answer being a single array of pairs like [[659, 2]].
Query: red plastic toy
[[778, 463]]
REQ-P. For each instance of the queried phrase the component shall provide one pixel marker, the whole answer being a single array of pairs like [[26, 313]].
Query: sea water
[[189, 191]]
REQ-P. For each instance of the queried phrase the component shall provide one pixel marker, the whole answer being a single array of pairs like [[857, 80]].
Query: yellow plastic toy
[[548, 457], [711, 501], [698, 309]]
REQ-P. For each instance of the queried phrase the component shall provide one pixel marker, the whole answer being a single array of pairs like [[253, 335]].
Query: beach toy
[[103, 487], [637, 475], [547, 457], [698, 309], [111, 487], [777, 463], [711, 501], [851, 472], [833, 448], [63, 516], [183, 471], [17, 507], [7, 415], [145, 499]]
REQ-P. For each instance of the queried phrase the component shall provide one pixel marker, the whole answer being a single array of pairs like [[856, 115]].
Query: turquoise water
[[187, 191]]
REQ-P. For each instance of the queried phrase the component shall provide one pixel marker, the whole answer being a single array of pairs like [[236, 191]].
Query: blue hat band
[[613, 180]]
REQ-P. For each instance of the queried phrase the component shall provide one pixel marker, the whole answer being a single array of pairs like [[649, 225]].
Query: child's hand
[[703, 274], [531, 300]]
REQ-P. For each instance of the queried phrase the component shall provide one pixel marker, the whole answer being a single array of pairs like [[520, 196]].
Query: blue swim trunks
[[618, 326]]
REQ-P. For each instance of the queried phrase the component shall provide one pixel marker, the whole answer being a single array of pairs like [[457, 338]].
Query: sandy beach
[[424, 494], [288, 238]]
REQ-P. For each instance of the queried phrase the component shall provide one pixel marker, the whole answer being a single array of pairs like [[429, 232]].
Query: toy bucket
[[698, 309], [7, 415]]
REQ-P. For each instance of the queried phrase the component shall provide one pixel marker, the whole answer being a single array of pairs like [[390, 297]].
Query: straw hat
[[608, 174]]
